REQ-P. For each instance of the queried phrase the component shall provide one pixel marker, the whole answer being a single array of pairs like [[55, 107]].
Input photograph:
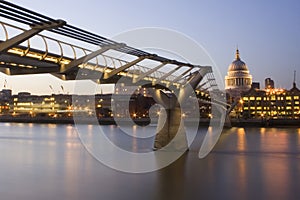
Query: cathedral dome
[[237, 64], [238, 78]]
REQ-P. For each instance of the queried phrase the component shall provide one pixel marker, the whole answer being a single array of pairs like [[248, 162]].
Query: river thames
[[48, 161]]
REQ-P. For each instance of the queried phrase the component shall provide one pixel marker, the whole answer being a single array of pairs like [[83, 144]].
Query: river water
[[46, 161]]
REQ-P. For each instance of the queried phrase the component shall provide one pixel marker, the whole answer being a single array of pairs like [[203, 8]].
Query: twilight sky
[[266, 32]]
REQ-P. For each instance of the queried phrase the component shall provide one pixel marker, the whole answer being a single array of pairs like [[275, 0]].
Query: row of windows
[[269, 108], [278, 103], [273, 113], [273, 98]]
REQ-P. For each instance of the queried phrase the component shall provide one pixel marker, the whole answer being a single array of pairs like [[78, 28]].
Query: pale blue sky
[[267, 32]]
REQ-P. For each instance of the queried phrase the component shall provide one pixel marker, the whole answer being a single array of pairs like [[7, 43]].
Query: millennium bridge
[[94, 61]]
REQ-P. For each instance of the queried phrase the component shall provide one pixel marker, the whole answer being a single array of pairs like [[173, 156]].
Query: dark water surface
[[41, 161]]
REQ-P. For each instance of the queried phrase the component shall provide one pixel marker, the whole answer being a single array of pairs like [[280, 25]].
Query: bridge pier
[[170, 133], [227, 123]]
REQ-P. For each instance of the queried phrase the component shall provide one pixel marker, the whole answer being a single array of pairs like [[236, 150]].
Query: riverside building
[[271, 103]]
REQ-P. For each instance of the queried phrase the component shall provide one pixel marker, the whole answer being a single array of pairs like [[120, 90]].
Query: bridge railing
[[100, 63]]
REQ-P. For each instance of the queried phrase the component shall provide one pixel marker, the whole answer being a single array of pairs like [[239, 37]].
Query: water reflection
[[172, 180], [275, 141], [49, 162], [241, 139]]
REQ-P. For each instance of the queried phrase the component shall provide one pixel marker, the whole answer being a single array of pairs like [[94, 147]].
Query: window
[[273, 98], [245, 98]]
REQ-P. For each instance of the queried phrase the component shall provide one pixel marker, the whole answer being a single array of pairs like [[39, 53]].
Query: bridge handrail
[[157, 74], [34, 19], [25, 16]]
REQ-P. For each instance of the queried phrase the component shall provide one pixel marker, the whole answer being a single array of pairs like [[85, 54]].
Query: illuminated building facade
[[238, 78], [271, 104], [26, 104]]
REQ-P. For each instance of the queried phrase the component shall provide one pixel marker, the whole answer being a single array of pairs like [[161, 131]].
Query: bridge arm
[[181, 75], [190, 86], [124, 67], [167, 75], [143, 75], [75, 63], [194, 79], [201, 85], [203, 71], [35, 29]]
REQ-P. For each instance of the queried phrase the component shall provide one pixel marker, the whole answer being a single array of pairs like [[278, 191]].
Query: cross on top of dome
[[237, 54]]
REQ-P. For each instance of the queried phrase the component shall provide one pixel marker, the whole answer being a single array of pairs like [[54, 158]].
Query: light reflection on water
[[41, 161]]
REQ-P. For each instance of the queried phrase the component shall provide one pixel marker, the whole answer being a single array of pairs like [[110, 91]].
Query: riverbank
[[265, 123], [146, 121], [48, 120], [71, 120]]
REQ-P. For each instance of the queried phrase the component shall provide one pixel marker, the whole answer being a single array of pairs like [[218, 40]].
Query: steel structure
[[17, 56]]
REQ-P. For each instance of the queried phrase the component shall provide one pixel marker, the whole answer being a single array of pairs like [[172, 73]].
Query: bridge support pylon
[[227, 123], [170, 132]]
